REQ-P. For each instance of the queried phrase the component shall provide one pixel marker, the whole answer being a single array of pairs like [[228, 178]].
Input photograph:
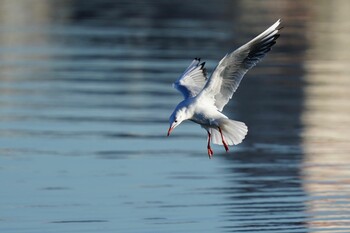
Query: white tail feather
[[233, 131]]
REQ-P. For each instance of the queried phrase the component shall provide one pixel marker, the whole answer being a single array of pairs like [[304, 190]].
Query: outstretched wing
[[192, 81], [229, 72]]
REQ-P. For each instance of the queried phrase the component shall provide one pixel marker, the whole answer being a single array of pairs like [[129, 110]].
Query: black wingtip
[[204, 70]]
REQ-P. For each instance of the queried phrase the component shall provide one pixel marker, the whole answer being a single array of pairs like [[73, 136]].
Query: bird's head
[[178, 116]]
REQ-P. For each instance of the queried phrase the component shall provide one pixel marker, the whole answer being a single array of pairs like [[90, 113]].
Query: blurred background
[[85, 96]]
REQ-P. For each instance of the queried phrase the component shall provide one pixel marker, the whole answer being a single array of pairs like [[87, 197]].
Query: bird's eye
[[175, 121]]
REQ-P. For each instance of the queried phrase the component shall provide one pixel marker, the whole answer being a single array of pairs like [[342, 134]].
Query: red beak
[[169, 131]]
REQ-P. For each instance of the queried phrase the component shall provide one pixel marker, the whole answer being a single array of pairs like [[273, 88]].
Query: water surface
[[85, 96]]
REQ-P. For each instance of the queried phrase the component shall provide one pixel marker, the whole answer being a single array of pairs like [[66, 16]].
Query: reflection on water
[[85, 96], [327, 124]]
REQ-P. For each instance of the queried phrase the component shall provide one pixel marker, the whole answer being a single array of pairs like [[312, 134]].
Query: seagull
[[205, 98]]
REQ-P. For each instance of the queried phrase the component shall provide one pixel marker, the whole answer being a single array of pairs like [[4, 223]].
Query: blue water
[[85, 96]]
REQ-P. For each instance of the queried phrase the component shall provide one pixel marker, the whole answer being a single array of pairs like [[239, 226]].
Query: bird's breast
[[202, 119]]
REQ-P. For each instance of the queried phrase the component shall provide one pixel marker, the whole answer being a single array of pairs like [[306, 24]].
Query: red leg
[[223, 140], [210, 151]]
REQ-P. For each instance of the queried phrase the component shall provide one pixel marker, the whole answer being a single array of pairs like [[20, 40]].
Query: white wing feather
[[192, 81], [228, 74]]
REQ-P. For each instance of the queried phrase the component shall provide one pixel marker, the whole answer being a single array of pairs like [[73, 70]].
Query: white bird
[[204, 99]]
